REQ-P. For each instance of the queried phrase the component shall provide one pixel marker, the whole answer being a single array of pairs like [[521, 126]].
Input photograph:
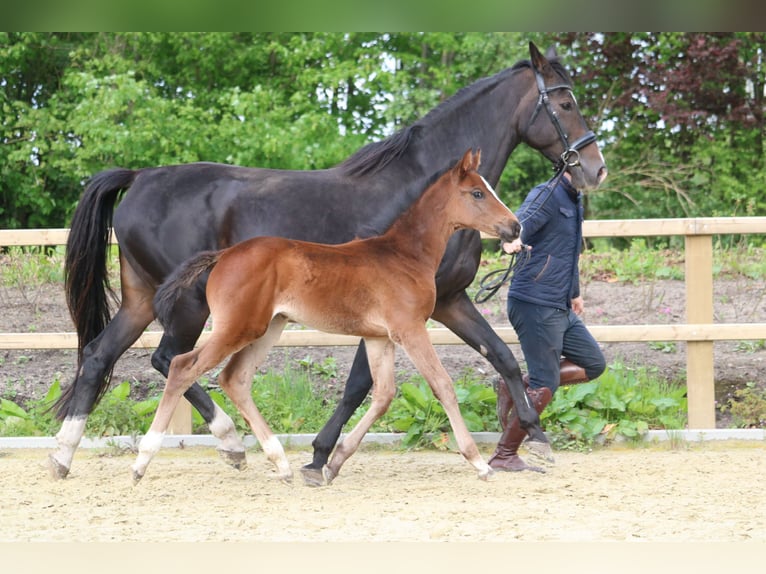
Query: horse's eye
[[478, 194], [567, 106]]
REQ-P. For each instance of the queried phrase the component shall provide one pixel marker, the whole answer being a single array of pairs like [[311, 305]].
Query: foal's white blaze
[[492, 190]]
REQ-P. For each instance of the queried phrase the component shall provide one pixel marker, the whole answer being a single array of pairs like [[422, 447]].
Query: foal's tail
[[86, 282], [180, 281]]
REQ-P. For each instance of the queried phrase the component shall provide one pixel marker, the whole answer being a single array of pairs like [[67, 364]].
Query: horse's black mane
[[377, 155]]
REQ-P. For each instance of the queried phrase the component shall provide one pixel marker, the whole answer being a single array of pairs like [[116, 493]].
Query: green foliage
[[34, 420], [416, 412], [74, 104], [622, 402], [116, 415], [28, 269], [635, 264], [748, 406]]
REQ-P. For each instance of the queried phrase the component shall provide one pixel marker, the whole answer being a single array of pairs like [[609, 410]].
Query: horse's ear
[[539, 62], [551, 54]]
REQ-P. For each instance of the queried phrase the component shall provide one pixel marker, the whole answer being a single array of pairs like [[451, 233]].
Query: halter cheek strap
[[571, 154]]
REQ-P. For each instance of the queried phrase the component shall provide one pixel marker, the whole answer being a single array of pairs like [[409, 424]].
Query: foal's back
[[355, 288]]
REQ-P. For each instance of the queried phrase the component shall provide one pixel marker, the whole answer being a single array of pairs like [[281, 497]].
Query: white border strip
[[302, 440]]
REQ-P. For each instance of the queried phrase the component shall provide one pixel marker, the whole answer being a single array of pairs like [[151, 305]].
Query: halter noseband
[[571, 155]]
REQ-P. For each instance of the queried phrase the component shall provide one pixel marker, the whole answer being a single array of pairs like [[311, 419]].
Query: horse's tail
[[179, 282], [85, 275]]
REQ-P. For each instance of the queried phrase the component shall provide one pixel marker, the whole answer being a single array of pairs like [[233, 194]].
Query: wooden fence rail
[[699, 331]]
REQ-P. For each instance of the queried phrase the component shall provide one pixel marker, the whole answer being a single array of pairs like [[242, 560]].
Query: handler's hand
[[515, 246], [578, 305]]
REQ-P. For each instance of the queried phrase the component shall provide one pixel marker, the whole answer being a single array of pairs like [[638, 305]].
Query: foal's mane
[[376, 155]]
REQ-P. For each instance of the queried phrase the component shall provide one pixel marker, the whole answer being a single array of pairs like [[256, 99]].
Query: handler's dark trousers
[[546, 334]]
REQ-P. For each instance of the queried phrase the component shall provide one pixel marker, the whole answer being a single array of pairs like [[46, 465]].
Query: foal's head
[[476, 205]]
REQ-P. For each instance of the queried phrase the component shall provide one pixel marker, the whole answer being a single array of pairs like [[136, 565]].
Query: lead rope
[[489, 284]]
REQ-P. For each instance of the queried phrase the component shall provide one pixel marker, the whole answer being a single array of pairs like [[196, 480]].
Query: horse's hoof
[[236, 459], [312, 476], [541, 450], [329, 474], [56, 469]]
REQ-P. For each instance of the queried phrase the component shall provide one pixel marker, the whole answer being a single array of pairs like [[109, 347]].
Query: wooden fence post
[[700, 380], [181, 422]]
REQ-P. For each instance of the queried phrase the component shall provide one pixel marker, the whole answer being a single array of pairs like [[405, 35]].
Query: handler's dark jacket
[[552, 224]]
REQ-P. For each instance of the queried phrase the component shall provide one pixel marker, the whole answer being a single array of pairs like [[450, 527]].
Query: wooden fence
[[699, 331]]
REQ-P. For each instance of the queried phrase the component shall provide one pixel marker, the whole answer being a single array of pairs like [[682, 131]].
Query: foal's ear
[[470, 162]]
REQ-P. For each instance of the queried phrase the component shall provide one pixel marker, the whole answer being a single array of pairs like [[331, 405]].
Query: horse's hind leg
[[180, 337], [380, 353], [420, 350], [357, 387], [236, 380], [99, 357]]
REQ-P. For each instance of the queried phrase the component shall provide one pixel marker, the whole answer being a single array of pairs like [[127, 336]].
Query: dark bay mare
[[168, 214], [380, 288]]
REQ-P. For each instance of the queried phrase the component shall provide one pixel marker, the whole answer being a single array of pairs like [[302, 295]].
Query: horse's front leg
[[460, 315], [179, 338], [357, 387]]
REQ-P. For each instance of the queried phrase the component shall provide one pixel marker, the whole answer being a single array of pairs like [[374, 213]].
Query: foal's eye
[[477, 194]]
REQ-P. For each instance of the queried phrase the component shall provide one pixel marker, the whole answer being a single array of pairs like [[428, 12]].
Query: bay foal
[[381, 289]]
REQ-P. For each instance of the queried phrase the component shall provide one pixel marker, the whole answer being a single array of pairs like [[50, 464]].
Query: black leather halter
[[570, 157]]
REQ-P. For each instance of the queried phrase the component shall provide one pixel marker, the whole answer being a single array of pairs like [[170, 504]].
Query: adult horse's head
[[554, 124]]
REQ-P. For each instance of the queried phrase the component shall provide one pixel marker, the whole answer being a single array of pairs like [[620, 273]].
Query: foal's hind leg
[[380, 353], [236, 380], [420, 350], [180, 337], [183, 371]]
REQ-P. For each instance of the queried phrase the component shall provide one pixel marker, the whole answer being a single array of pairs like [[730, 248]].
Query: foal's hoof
[[237, 459], [136, 476], [312, 476], [56, 469], [541, 450], [329, 474], [487, 474]]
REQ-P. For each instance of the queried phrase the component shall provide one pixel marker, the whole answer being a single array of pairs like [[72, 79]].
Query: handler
[[544, 305]]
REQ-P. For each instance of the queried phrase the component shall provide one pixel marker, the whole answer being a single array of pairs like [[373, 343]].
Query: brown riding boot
[[570, 374], [505, 457], [504, 400]]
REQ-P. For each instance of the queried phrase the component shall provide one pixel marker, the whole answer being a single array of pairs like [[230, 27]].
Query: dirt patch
[[28, 374], [695, 492]]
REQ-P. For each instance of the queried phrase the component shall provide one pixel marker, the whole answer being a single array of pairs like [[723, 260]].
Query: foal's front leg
[[380, 353], [422, 353]]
